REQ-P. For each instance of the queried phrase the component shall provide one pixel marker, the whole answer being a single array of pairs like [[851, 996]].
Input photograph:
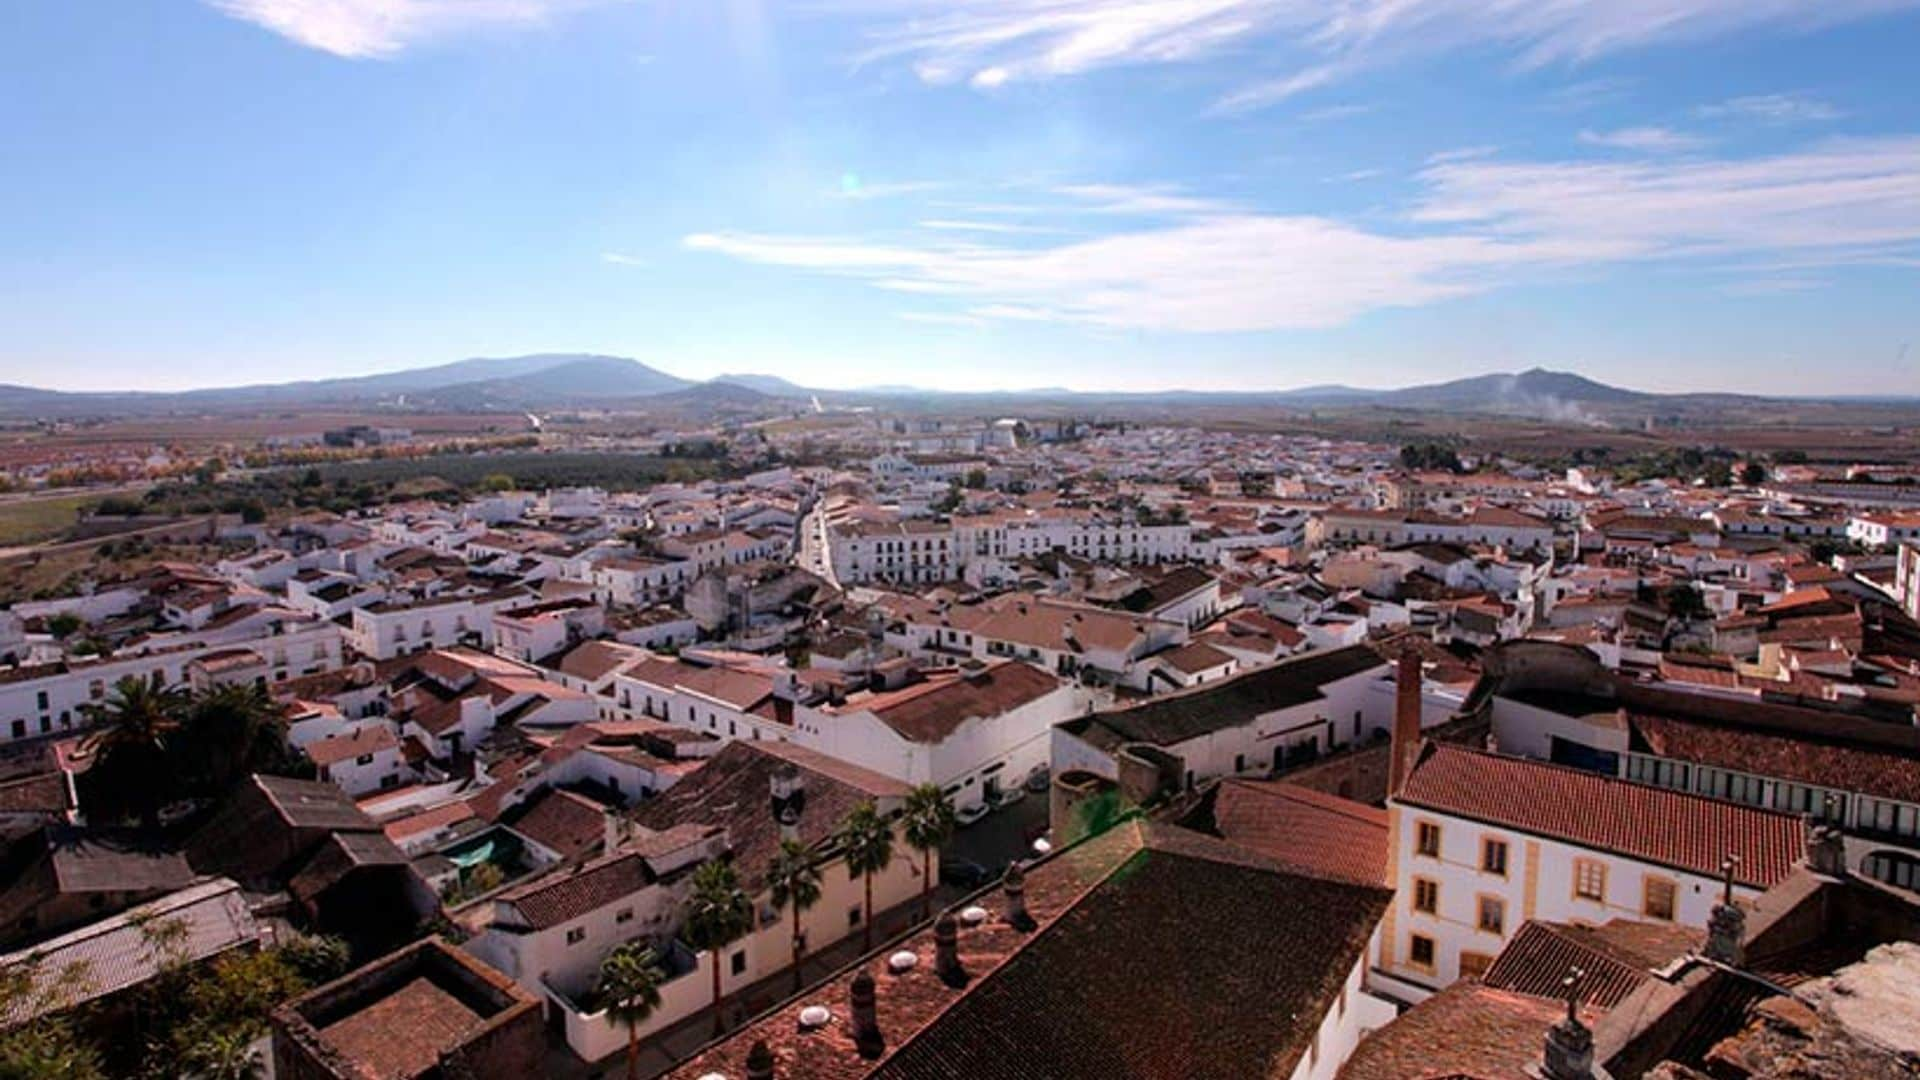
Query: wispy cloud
[[1335, 112], [994, 42], [1000, 227], [616, 258], [1773, 109], [1654, 140], [852, 186], [1477, 224], [943, 318], [1588, 93], [372, 29], [1772, 286], [1138, 199], [1274, 91]]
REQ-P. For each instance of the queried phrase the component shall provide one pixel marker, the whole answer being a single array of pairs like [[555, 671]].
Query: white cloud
[[1479, 223], [852, 187], [948, 41], [942, 318], [1274, 91], [1002, 227], [1773, 109], [1846, 199], [364, 29], [616, 258], [1657, 140], [1137, 199]]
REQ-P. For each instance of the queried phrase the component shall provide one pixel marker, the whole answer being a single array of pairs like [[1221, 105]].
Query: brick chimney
[[1016, 888], [1406, 720], [760, 1061], [866, 1016], [946, 951]]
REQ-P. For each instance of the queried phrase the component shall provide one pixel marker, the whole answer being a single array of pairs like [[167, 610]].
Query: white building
[[1481, 843]]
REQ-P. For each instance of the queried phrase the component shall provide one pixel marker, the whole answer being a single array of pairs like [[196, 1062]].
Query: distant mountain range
[[571, 380]]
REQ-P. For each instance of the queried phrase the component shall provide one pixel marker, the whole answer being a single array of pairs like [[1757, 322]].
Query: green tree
[[793, 875], [1753, 474], [976, 479], [630, 979], [927, 823], [231, 731], [135, 725], [48, 1047], [496, 482], [719, 913], [866, 842]]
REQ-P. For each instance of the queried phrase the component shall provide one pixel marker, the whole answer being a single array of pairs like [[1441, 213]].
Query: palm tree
[[233, 729], [866, 842], [794, 877], [135, 725], [630, 979], [927, 823], [719, 913]]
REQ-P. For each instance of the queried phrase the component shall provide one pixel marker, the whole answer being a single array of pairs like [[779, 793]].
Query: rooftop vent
[[902, 962], [815, 1016], [974, 915]]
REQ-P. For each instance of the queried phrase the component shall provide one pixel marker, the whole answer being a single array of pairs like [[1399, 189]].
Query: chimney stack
[[1826, 850], [1406, 721], [1016, 887], [760, 1061], [866, 1016], [1727, 924], [1569, 1053], [946, 951], [789, 799]]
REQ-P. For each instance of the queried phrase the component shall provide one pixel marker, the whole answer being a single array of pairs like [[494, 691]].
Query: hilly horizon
[[560, 380]]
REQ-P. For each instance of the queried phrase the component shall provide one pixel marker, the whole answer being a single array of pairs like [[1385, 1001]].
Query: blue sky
[[1666, 194]]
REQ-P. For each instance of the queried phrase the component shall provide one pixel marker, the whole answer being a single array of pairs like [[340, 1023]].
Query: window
[[1427, 840], [576, 935], [1590, 880], [740, 962], [853, 916], [1420, 951], [1657, 902], [1474, 964], [1493, 857], [1426, 895], [624, 915], [1493, 915]]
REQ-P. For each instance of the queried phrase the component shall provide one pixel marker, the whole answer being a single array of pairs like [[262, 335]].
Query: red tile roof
[[1466, 1030], [1311, 831], [1671, 828]]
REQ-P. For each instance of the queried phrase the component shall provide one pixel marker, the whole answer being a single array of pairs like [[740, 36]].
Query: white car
[[967, 815], [1006, 797]]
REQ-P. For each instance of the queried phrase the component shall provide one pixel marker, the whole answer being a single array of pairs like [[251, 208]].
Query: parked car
[[967, 815], [1037, 780], [1006, 797], [963, 873]]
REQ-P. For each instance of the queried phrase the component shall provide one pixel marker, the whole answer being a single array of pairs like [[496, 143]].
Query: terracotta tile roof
[[570, 893], [1154, 954], [1616, 958], [930, 711], [404, 1032], [1466, 1030], [1884, 773], [560, 821], [1307, 830], [1671, 828], [337, 748], [1195, 657], [732, 790]]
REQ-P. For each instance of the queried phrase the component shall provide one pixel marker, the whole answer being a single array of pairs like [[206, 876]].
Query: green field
[[31, 521]]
